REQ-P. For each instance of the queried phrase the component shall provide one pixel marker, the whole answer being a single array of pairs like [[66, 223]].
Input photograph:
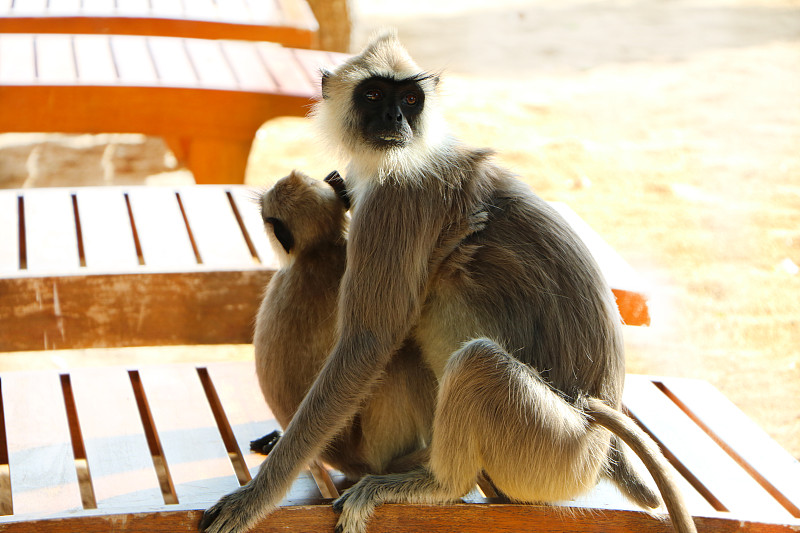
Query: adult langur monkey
[[305, 220], [526, 343]]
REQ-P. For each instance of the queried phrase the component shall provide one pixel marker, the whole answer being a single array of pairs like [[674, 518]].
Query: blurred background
[[671, 127]]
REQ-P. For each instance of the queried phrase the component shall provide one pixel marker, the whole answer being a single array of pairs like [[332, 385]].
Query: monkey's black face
[[388, 110], [282, 233]]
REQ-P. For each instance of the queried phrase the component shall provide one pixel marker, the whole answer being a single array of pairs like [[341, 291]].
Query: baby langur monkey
[[295, 331], [526, 342]]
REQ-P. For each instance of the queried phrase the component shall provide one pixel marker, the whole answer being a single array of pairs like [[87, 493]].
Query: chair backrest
[[130, 266], [288, 22], [144, 266]]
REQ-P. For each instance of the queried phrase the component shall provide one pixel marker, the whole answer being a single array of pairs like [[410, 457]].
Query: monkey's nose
[[394, 115]]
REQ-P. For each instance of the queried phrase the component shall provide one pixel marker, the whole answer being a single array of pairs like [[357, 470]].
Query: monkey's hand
[[265, 444], [477, 221], [452, 255], [237, 512]]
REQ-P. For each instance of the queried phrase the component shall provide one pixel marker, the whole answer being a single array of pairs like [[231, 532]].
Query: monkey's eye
[[410, 99], [373, 95]]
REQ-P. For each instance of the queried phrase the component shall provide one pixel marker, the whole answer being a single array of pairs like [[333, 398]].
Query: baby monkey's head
[[300, 213]]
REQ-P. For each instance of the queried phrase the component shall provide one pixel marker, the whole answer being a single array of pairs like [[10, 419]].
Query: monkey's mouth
[[389, 139]]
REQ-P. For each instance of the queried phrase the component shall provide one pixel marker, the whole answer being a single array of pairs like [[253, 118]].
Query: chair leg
[[212, 160]]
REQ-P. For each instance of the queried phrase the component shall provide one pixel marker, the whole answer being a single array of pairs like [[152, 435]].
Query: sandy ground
[[673, 128]]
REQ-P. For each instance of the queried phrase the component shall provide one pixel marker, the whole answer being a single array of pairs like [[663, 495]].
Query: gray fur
[[523, 335]]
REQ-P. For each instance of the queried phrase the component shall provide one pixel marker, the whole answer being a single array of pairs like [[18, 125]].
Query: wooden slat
[[219, 238], [257, 20], [313, 63], [267, 11], [195, 454], [142, 309], [750, 445], [172, 62], [98, 7], [234, 11], [133, 8], [285, 69], [55, 60], [94, 60], [201, 10], [250, 418], [119, 459], [162, 231], [133, 60], [391, 518], [250, 211], [167, 8], [17, 59], [298, 14], [247, 66], [696, 452], [335, 59], [41, 461], [606, 496], [9, 232], [106, 228], [51, 237], [603, 496], [30, 7], [62, 7], [210, 64]]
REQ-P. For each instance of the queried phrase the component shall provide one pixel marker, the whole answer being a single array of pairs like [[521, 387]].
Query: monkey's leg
[[409, 461], [495, 414]]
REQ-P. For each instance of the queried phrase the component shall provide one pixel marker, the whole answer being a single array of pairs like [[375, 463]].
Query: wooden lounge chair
[[147, 448], [287, 22], [206, 98]]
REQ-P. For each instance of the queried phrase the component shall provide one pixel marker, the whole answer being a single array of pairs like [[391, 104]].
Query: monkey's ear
[[326, 74], [334, 179]]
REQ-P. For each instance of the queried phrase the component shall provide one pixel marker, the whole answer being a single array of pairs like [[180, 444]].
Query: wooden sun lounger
[[287, 22], [132, 266], [206, 98], [147, 449]]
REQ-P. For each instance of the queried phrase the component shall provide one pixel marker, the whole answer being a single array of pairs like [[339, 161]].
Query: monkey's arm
[[380, 299], [346, 379]]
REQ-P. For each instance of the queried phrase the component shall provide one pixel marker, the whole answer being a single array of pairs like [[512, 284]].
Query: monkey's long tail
[[653, 459]]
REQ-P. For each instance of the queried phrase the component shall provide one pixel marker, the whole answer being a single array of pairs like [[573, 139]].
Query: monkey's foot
[[237, 512], [265, 444], [357, 505]]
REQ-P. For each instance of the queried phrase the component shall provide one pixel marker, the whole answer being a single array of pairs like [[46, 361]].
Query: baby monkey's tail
[[643, 446]]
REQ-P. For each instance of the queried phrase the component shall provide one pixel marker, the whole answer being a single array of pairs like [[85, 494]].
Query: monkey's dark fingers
[[478, 220], [334, 179], [265, 444]]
